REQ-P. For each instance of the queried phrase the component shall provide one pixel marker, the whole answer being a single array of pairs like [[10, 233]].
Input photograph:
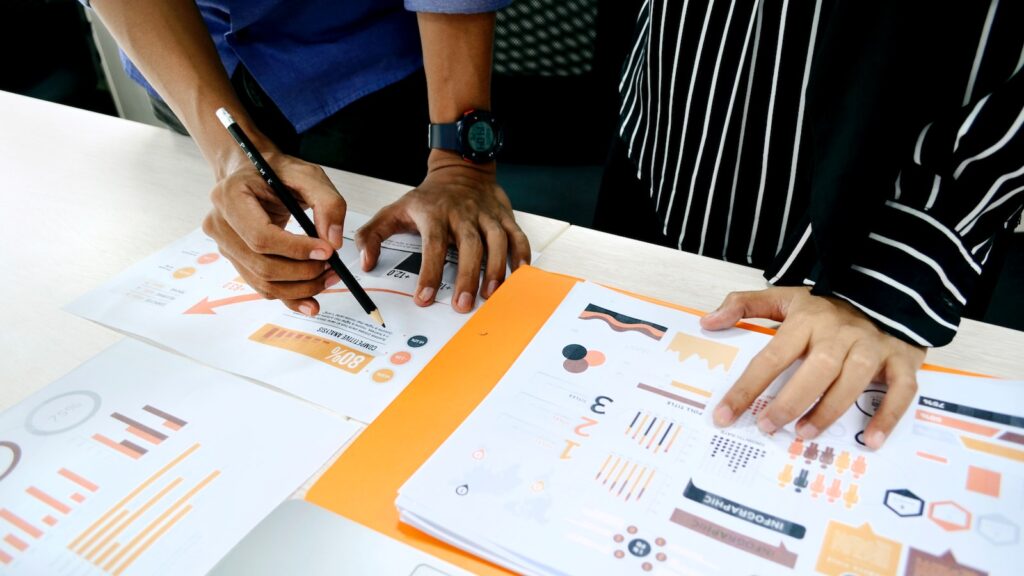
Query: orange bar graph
[[117, 518], [152, 525], [956, 423], [25, 526], [145, 484], [145, 436], [933, 457], [156, 536], [18, 543], [114, 445], [48, 500], [327, 351], [109, 551], [993, 449], [692, 389], [5, 558], [134, 516], [78, 480]]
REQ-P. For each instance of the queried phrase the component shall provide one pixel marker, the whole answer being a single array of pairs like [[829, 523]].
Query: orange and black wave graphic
[[623, 323]]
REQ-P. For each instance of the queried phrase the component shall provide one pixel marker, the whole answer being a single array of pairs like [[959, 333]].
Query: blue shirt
[[314, 57]]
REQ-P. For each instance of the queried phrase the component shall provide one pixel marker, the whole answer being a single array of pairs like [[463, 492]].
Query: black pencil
[[297, 212]]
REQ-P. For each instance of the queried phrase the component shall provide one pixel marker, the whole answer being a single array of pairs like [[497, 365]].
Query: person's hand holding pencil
[[290, 194], [247, 221]]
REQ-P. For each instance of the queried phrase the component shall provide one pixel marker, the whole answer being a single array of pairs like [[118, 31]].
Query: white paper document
[[596, 454], [142, 462], [188, 298]]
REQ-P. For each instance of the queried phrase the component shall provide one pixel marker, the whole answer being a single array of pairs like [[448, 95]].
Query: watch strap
[[444, 136]]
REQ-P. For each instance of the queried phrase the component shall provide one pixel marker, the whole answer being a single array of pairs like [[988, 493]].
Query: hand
[[457, 203], [844, 351], [247, 221]]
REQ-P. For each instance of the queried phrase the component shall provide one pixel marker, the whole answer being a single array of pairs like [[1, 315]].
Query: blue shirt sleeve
[[456, 6]]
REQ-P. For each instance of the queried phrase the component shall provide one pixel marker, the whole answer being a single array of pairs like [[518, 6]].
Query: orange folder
[[363, 483]]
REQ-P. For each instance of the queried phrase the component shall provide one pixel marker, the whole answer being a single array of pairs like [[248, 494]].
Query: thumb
[[739, 305]]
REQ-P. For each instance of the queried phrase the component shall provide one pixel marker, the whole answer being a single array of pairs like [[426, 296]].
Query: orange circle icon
[[184, 272], [400, 358], [594, 358], [383, 375], [208, 258]]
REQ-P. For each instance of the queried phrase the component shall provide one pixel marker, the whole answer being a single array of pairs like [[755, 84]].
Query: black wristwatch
[[477, 136]]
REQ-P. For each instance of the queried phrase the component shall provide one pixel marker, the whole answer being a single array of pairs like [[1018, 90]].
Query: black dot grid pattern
[[545, 38], [736, 454]]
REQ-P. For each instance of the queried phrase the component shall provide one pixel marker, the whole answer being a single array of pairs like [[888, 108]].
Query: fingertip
[[464, 302], [807, 431], [425, 296], [875, 439], [492, 287], [717, 320], [308, 306], [335, 236], [723, 415]]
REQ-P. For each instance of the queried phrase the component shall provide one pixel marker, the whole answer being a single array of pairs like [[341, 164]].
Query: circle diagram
[[62, 413], [578, 358], [383, 375], [417, 341], [10, 454], [869, 401]]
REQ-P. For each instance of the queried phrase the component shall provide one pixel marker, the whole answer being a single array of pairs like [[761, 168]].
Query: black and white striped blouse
[[872, 148]]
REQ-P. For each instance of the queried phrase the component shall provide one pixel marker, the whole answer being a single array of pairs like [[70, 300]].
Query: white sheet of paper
[[190, 299], [143, 462], [596, 454]]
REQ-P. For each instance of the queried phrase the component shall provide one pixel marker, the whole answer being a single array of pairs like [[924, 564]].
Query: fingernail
[[306, 309], [332, 279], [465, 301], [334, 235], [492, 287], [765, 425], [876, 439], [318, 254], [425, 295], [523, 263], [722, 416], [362, 258], [712, 315], [327, 265], [807, 431]]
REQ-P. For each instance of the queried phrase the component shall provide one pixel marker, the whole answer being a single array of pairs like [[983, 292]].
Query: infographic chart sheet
[[188, 298], [142, 462], [595, 454]]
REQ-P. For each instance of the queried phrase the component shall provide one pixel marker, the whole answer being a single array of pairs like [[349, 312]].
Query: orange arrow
[[206, 306]]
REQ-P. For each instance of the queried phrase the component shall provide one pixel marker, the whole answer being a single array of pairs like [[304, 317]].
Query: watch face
[[481, 137]]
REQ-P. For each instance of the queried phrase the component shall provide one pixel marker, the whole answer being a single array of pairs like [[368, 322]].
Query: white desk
[[86, 196]]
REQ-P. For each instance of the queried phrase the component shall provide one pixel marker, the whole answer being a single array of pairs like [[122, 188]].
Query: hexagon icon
[[904, 503], [949, 515], [998, 530]]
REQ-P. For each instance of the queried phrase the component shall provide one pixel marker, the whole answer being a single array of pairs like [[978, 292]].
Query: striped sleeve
[[962, 185]]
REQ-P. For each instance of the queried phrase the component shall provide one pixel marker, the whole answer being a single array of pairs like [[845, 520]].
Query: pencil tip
[[377, 318]]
